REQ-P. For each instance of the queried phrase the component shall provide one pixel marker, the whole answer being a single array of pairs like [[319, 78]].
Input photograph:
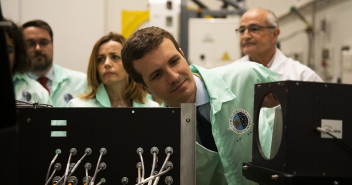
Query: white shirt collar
[[202, 96], [271, 61], [49, 75]]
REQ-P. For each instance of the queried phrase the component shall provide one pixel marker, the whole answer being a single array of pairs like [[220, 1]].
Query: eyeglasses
[[41, 42], [253, 28]]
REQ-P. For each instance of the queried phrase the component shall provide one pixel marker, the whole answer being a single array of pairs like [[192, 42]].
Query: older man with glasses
[[259, 32], [62, 84]]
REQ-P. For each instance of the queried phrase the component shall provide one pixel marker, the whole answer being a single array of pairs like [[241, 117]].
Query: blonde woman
[[109, 84]]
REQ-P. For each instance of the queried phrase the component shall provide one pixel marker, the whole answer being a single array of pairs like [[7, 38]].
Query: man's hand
[[270, 101]]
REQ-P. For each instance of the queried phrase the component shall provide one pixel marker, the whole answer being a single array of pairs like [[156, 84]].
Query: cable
[[57, 152], [102, 181], [102, 166], [154, 151], [337, 140], [56, 168], [140, 152], [169, 152], [87, 167], [62, 178], [154, 176], [87, 151], [73, 151], [103, 151], [139, 171], [86, 180]]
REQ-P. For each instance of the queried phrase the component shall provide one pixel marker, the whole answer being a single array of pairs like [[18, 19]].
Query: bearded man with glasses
[[259, 32], [62, 84]]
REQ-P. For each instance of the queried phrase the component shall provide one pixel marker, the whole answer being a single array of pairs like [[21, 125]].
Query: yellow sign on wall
[[131, 20], [225, 57]]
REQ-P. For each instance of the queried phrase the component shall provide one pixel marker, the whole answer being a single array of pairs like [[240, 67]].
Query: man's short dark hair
[[139, 44], [40, 24]]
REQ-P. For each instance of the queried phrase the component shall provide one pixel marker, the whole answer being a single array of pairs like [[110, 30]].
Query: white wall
[[280, 7], [76, 24], [336, 36]]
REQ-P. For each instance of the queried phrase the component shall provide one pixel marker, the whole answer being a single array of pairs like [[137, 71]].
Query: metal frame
[[188, 140]]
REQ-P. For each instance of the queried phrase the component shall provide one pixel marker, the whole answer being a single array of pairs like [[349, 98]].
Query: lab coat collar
[[59, 74], [19, 77], [217, 95], [102, 96]]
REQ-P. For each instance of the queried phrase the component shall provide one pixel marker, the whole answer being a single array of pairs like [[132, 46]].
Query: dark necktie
[[204, 132], [43, 80]]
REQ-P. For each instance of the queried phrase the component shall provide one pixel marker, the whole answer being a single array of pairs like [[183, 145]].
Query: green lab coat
[[231, 93]]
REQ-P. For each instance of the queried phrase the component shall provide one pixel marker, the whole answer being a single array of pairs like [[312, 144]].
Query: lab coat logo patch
[[240, 121], [26, 96], [67, 97]]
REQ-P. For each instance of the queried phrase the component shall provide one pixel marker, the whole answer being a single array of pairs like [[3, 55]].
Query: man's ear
[[276, 33], [144, 88], [181, 52]]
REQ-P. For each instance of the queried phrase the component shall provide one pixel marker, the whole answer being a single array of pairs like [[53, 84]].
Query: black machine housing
[[304, 157]]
